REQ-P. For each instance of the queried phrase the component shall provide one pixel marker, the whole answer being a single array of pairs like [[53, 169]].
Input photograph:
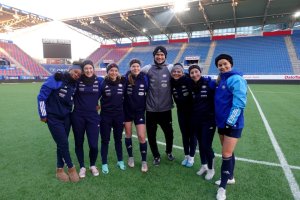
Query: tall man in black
[[159, 102]]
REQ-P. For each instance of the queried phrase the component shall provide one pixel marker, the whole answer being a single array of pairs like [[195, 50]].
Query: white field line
[[283, 162], [237, 158], [270, 92]]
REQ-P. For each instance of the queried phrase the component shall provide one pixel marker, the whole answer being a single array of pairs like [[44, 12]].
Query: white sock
[[191, 159]]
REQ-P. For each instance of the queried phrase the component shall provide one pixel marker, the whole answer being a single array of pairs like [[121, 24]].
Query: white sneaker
[[221, 194], [202, 170], [94, 170], [82, 172], [131, 162], [229, 182], [144, 166], [210, 174]]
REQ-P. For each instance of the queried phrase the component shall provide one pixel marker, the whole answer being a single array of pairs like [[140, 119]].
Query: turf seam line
[[283, 162]]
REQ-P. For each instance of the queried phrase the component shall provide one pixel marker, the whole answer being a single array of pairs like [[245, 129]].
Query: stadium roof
[[13, 18], [198, 16]]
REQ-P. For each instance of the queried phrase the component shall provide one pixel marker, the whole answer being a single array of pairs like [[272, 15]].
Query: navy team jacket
[[112, 97], [203, 98], [135, 95], [56, 97], [87, 95], [182, 94]]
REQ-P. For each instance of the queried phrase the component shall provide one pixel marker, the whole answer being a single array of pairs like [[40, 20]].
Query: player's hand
[[44, 120], [98, 107], [58, 76]]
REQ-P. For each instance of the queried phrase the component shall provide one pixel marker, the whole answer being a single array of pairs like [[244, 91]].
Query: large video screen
[[57, 49]]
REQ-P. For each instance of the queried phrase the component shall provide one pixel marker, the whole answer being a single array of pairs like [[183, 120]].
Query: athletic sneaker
[[130, 162], [156, 161], [144, 166], [210, 174], [170, 156], [221, 194], [229, 182], [202, 170], [183, 163], [82, 172], [121, 165], [94, 170], [105, 169]]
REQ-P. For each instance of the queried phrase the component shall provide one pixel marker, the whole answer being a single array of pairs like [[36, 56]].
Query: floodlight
[[180, 6], [297, 14]]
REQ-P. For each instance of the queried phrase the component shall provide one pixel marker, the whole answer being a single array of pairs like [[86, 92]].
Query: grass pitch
[[27, 153]]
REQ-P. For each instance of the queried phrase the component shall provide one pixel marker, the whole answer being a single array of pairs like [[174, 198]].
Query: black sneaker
[[156, 161], [170, 156]]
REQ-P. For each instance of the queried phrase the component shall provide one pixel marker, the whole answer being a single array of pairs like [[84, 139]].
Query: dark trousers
[[164, 119], [106, 124], [189, 140], [204, 131], [60, 129], [88, 123]]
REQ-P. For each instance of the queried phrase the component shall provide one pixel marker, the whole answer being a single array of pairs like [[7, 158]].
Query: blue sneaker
[[105, 169], [121, 165], [184, 162], [189, 164]]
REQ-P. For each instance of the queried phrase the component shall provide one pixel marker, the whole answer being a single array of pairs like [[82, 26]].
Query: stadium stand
[[256, 55], [24, 59], [97, 55], [253, 55]]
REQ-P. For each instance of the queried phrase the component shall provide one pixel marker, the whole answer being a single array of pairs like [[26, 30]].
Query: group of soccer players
[[202, 105]]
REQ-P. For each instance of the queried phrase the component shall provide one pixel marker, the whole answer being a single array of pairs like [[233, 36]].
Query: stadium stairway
[[292, 54], [181, 51], [101, 59], [128, 52], [209, 57]]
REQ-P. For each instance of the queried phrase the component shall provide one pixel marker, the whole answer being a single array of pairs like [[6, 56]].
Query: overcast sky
[[30, 39]]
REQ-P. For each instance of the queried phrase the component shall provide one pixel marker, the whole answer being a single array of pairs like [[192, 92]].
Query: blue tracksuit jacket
[[56, 97], [230, 100]]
